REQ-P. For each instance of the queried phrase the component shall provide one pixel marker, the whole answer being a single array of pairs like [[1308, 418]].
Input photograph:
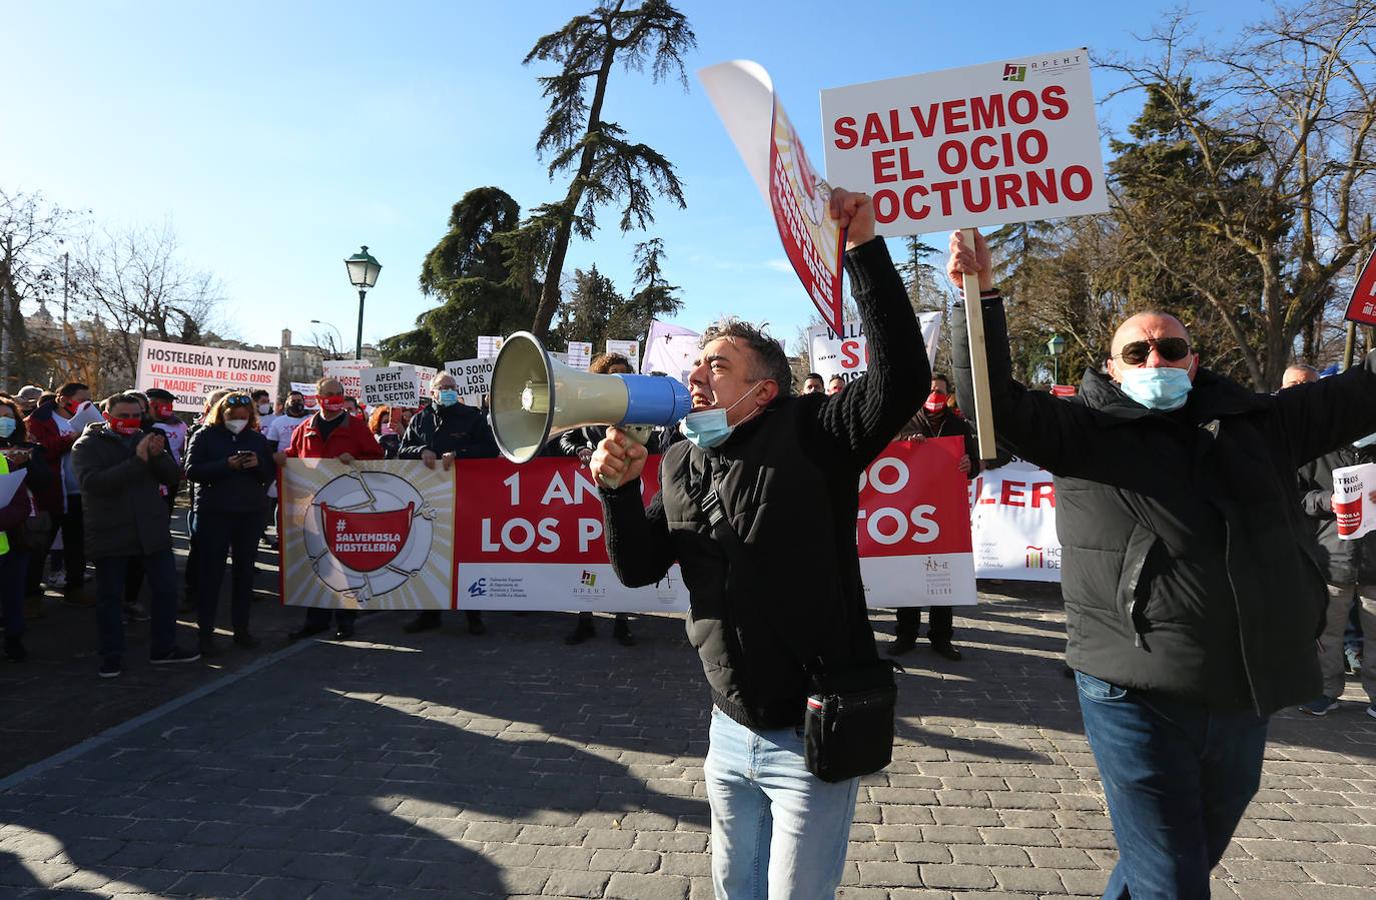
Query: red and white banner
[[743, 95], [492, 535], [1014, 524], [1362, 307], [913, 527], [529, 537], [191, 372], [1002, 142]]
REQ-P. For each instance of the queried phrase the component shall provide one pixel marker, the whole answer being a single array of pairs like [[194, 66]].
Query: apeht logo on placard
[[368, 534], [1043, 557], [589, 579], [1014, 72]]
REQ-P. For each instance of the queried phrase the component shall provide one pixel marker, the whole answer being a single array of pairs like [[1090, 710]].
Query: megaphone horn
[[534, 396]]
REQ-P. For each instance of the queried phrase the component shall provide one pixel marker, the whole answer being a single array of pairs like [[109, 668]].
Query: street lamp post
[[363, 271], [335, 329], [1054, 347]]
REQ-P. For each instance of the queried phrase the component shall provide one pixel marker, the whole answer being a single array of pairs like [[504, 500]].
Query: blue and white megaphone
[[534, 396]]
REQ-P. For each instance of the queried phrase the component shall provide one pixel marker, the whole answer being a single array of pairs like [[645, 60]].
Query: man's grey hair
[[770, 360], [443, 373]]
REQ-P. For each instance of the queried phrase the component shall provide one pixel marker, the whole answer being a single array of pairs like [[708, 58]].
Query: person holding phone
[[231, 463]]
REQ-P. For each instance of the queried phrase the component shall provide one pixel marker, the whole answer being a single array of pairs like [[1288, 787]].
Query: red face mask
[[936, 403], [72, 406], [125, 427], [332, 404], [161, 410]]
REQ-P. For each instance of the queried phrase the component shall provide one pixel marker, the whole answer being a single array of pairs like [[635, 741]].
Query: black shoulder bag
[[848, 725]]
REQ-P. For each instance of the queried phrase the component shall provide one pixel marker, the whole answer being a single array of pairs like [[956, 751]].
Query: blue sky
[[277, 137]]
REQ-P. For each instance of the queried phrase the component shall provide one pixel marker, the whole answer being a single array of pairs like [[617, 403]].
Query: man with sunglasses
[[1192, 588]]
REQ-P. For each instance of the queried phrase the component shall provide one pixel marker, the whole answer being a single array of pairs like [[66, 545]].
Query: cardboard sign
[[580, 355], [349, 373], [489, 345], [473, 377], [628, 349], [1014, 523], [1362, 307], [307, 390], [189, 372], [743, 95], [1001, 142], [391, 386], [424, 373], [847, 354]]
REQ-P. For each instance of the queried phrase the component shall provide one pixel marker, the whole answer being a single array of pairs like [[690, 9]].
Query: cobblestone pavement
[[513, 765]]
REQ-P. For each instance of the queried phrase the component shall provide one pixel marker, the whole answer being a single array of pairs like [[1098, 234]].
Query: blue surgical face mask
[[1360, 442], [7, 426], [448, 397], [708, 428], [1163, 388]]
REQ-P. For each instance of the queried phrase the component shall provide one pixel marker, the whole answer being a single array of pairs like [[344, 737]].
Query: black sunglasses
[[238, 400], [1171, 349]]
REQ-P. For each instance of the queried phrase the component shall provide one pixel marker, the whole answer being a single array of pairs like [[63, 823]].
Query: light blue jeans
[[778, 831]]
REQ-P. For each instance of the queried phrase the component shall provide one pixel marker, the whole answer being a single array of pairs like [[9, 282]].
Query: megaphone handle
[[638, 433]]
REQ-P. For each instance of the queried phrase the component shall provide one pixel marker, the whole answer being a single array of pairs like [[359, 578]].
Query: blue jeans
[[1177, 776], [778, 831], [161, 572]]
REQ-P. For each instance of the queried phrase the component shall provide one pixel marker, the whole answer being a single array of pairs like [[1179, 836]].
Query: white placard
[[306, 389], [349, 373], [1001, 142], [489, 345], [473, 378], [1013, 523], [847, 354], [391, 386], [580, 355], [425, 373], [628, 349], [189, 372], [1352, 506]]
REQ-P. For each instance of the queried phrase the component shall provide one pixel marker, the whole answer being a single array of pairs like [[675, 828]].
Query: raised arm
[[864, 417], [1319, 418]]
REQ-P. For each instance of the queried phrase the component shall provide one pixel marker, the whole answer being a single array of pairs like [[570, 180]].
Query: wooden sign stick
[[979, 362]]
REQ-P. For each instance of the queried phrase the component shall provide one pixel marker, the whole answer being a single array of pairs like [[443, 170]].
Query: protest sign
[[391, 386], [1352, 506], [913, 527], [489, 345], [372, 535], [628, 349], [580, 355], [1362, 307], [847, 354], [1014, 524], [530, 537], [424, 373], [992, 144], [473, 378], [349, 373], [307, 389], [743, 95], [190, 372]]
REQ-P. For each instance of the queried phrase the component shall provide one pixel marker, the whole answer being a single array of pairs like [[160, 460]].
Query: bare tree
[[1254, 188], [135, 286], [31, 236]]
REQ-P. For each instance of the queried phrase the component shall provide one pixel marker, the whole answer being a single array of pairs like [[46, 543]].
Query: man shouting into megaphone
[[759, 507]]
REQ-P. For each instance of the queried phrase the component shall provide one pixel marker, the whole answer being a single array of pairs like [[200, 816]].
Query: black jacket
[[790, 489], [1188, 566], [1344, 562], [221, 489], [949, 425], [569, 443], [460, 430], [125, 513]]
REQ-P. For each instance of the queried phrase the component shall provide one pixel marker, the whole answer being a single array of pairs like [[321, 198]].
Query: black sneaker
[[173, 657], [247, 641], [306, 632], [425, 620], [344, 633], [946, 651], [207, 645], [581, 632], [900, 645], [622, 634], [475, 623], [110, 667]]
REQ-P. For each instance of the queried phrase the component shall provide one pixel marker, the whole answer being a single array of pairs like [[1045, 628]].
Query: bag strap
[[719, 518]]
